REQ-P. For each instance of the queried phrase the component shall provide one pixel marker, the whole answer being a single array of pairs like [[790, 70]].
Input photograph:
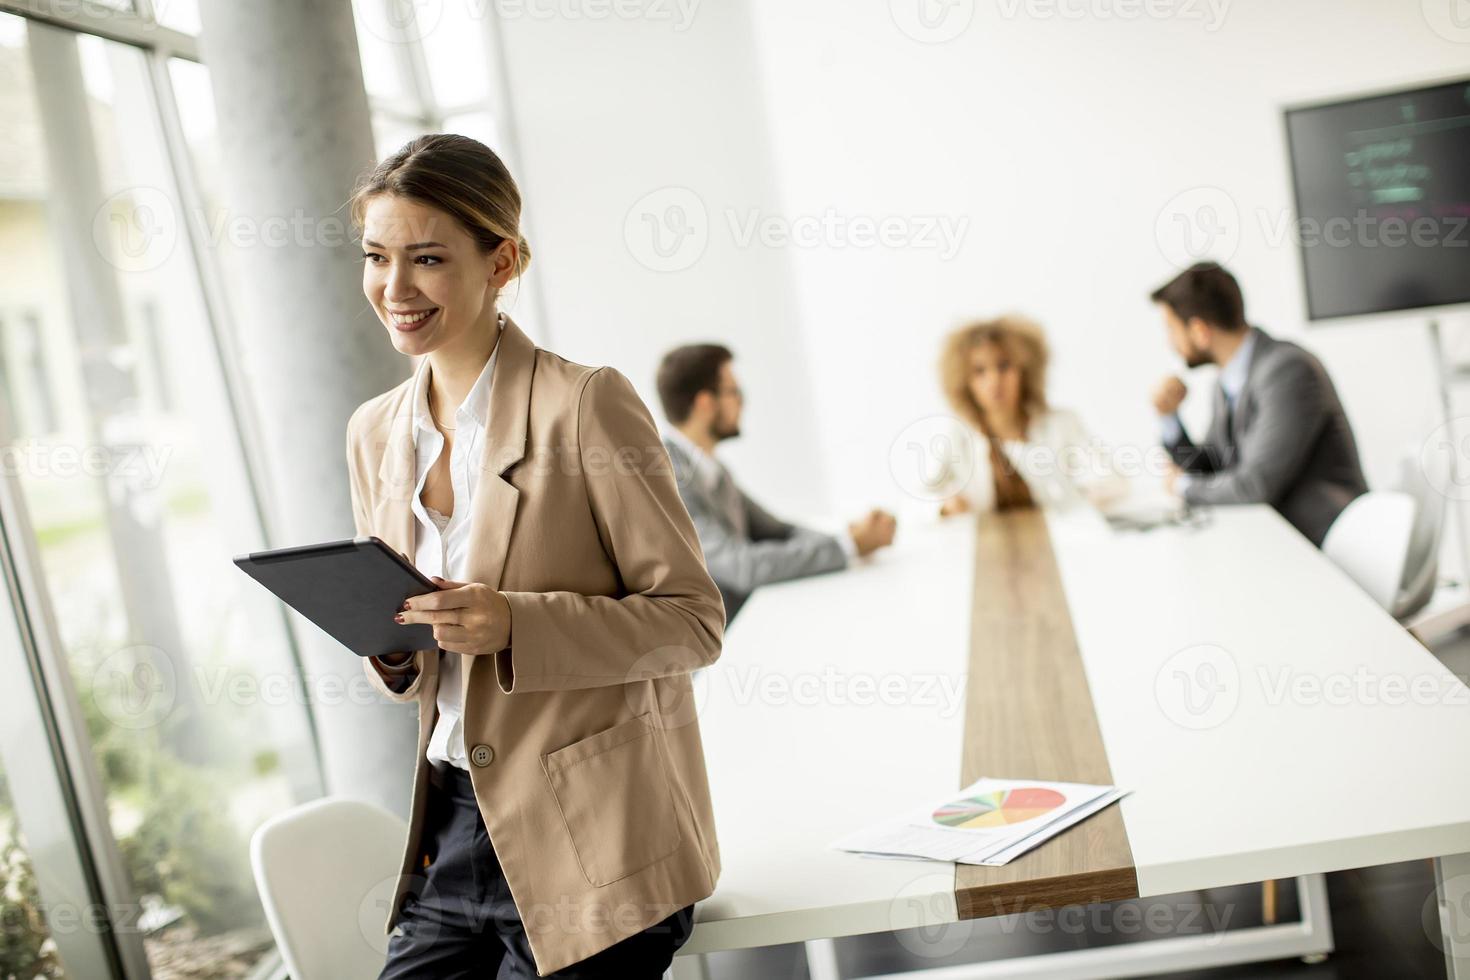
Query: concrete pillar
[[295, 130]]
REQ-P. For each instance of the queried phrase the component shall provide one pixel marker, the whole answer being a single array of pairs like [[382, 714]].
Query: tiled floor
[[1383, 924]]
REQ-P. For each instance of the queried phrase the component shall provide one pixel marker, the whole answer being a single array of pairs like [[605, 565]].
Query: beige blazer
[[582, 736]]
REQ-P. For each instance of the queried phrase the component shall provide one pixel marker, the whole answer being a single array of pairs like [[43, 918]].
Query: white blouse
[[1061, 462], [442, 543]]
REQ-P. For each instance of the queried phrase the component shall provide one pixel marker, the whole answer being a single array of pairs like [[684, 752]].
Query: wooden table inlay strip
[[1029, 715]]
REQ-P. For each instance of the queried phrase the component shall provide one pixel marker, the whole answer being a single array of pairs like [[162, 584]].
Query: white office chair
[[1370, 542], [1420, 477], [326, 872]]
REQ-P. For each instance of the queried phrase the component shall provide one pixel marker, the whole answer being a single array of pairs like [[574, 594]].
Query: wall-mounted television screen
[[1382, 188]]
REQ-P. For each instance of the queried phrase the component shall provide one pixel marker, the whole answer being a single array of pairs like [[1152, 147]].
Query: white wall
[[612, 110], [1063, 143]]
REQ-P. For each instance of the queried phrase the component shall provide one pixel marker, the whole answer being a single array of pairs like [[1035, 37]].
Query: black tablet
[[351, 589]]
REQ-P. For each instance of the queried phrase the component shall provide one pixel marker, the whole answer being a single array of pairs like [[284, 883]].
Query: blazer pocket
[[614, 792]]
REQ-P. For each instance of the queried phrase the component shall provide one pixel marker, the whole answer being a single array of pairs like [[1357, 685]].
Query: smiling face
[[428, 280]]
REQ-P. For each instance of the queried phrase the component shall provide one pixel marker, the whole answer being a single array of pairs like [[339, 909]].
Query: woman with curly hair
[[1015, 449]]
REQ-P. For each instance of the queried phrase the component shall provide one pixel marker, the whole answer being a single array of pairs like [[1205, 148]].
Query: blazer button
[[482, 755]]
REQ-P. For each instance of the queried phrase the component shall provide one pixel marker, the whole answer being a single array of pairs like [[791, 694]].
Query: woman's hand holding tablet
[[467, 617]]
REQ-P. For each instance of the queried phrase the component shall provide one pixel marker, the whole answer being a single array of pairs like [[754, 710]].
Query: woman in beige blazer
[[561, 821]]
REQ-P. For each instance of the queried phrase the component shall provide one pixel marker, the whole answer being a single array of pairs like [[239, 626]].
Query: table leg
[[1316, 913], [1452, 888], [821, 959]]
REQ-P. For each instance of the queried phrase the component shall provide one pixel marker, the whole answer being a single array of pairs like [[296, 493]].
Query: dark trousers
[[459, 921]]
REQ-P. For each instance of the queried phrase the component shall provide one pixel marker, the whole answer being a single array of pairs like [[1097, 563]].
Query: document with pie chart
[[991, 821]]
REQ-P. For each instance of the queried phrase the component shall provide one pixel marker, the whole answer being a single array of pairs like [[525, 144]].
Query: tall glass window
[[124, 444], [27, 951]]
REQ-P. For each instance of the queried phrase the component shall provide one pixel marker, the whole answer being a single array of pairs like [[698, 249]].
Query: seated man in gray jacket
[[744, 545], [1279, 435]]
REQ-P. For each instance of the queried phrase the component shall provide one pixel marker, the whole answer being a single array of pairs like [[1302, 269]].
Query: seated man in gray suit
[[744, 546], [1279, 435]]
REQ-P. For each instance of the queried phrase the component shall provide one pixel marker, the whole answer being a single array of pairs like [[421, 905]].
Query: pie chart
[[998, 809]]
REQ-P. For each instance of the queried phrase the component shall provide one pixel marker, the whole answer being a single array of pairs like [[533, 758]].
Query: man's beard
[[1198, 358], [723, 433]]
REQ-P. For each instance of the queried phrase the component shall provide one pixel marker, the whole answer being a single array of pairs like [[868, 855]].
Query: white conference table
[[1270, 720]]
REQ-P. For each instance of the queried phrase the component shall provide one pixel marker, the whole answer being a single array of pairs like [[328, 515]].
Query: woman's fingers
[[450, 634], [458, 597], [435, 616], [468, 617]]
